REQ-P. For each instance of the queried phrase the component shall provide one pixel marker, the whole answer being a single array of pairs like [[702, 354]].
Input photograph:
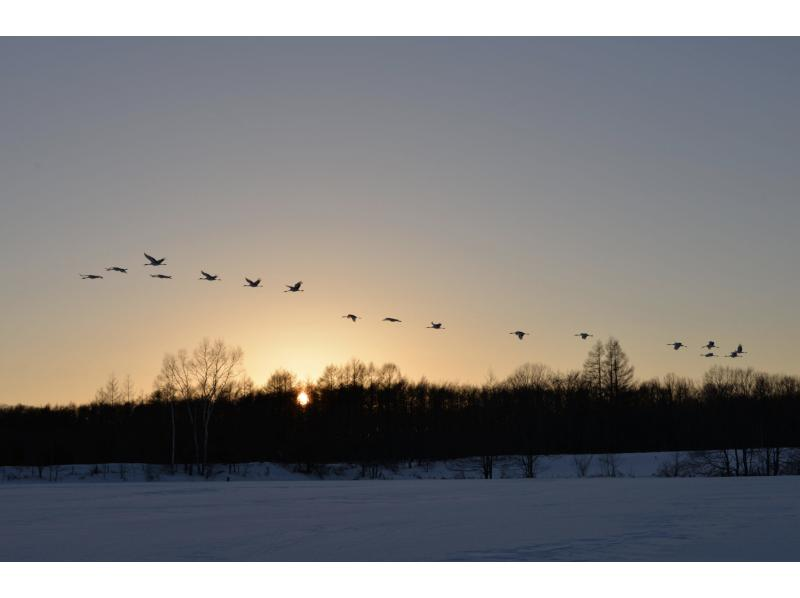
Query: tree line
[[204, 411]]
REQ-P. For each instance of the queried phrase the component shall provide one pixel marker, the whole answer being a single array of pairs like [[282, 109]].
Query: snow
[[643, 518], [551, 466]]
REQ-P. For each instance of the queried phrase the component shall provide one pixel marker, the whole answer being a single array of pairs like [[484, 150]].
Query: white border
[[400, 580], [409, 17]]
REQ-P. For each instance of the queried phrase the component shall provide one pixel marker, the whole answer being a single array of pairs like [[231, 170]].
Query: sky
[[645, 189]]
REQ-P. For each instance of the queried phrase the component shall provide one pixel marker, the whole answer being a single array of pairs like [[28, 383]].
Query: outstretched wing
[[150, 257], [249, 281], [206, 274]]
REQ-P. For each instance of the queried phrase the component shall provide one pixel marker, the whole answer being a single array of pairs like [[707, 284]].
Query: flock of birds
[[295, 288], [709, 347]]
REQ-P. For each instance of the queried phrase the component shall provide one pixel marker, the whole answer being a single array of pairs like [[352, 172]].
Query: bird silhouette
[[117, 269], [207, 276], [252, 283], [90, 276], [520, 334], [294, 288], [153, 261], [708, 355], [160, 276], [584, 335], [733, 354], [437, 326], [353, 317], [709, 345], [676, 345], [391, 320]]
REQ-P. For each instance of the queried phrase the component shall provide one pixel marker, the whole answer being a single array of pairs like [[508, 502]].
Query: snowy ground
[[501, 519], [549, 466]]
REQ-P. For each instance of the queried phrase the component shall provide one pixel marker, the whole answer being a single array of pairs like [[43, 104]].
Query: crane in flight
[[676, 345], [252, 283], [710, 345], [393, 320], [352, 317], [153, 261], [117, 269], [709, 354], [519, 333], [90, 276], [160, 276], [584, 335], [294, 288], [436, 326], [733, 354], [207, 276]]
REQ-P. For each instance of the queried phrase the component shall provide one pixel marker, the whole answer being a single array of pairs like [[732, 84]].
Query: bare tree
[[281, 382], [529, 464], [329, 377], [607, 369], [110, 393], [175, 383], [388, 375], [593, 369], [529, 376], [617, 369], [582, 464], [354, 373], [212, 372], [487, 466], [216, 369], [128, 389], [609, 465]]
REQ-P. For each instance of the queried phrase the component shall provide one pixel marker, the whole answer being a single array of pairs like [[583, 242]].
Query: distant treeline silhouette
[[205, 411]]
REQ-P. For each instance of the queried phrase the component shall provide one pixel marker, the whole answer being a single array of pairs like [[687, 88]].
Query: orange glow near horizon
[[302, 398]]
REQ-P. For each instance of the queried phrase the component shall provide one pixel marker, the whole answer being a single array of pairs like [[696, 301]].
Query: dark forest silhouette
[[206, 411]]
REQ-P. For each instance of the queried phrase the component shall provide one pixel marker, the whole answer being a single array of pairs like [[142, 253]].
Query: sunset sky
[[647, 189]]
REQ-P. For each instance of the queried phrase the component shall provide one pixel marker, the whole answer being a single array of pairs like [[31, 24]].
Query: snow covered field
[[501, 519], [549, 466]]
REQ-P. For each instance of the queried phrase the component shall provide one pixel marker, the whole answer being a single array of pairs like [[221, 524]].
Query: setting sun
[[302, 399]]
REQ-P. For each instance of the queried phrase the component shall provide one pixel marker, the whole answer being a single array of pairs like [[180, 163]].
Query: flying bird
[[90, 276], [153, 261], [519, 333], [117, 269], [294, 288], [708, 355], [437, 326], [391, 320], [676, 345], [252, 283], [584, 335], [709, 345], [353, 317], [733, 354], [160, 276], [207, 276]]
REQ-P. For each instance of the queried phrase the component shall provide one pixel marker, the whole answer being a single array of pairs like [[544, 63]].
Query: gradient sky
[[641, 188]]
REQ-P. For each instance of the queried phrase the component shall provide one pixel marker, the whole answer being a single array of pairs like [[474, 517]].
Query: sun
[[302, 398]]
